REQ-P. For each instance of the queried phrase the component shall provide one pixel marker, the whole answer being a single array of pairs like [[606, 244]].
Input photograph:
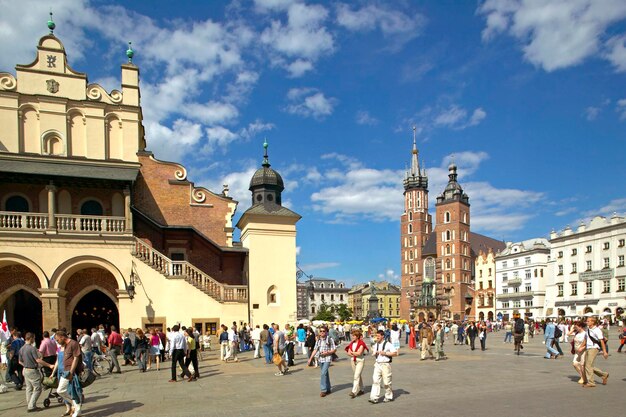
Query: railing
[[196, 277], [23, 221], [90, 224], [515, 281], [519, 295], [65, 223]]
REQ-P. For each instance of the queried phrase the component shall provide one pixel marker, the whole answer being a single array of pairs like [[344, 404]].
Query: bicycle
[[100, 364]]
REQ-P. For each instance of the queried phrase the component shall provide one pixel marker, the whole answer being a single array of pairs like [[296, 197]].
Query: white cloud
[[238, 184], [298, 250], [617, 205], [364, 118], [455, 117], [389, 275], [402, 27], [254, 128], [309, 102], [274, 5], [212, 112], [183, 133], [616, 53], [555, 33], [621, 108], [591, 113], [299, 67]]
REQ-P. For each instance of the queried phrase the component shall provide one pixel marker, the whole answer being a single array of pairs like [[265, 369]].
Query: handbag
[[277, 359]]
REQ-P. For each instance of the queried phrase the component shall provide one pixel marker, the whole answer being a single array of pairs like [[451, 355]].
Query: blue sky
[[529, 97]]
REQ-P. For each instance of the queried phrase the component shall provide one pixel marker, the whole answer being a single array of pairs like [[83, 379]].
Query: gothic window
[[446, 217], [448, 235], [447, 249], [410, 216], [411, 269], [410, 200], [464, 217], [419, 200], [447, 278], [410, 228], [429, 269], [448, 264], [322, 285]]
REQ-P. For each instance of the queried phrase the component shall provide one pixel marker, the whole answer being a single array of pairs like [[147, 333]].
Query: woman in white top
[[526, 331], [580, 346], [394, 336]]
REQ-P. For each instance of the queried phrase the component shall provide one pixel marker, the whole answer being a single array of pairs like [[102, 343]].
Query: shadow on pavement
[[112, 408]]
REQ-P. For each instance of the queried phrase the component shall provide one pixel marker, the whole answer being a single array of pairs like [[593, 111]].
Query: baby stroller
[[50, 383]]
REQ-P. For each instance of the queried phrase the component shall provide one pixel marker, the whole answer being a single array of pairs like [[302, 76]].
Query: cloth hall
[[94, 229]]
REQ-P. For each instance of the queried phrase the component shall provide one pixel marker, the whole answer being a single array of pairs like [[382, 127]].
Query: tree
[[325, 313], [343, 312]]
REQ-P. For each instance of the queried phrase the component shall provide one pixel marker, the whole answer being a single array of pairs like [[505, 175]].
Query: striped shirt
[[323, 346]]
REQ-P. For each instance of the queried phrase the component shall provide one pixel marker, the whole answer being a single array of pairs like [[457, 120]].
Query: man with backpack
[[518, 332], [383, 351], [548, 335], [595, 344], [324, 350]]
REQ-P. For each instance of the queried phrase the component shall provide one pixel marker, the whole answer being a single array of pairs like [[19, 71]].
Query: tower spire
[[415, 166], [266, 160], [51, 24]]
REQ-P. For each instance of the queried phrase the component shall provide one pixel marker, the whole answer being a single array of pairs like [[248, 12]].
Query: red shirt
[[115, 339]]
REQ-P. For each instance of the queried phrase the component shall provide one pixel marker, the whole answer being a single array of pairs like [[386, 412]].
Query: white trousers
[[382, 374], [62, 391], [257, 344], [357, 368]]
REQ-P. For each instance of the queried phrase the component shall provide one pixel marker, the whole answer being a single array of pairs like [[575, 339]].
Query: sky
[[527, 97]]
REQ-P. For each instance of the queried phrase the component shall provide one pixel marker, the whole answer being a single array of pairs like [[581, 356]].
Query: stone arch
[[77, 129], [114, 136], [86, 290], [15, 277], [7, 259], [53, 143], [67, 269], [273, 296], [16, 194], [29, 129]]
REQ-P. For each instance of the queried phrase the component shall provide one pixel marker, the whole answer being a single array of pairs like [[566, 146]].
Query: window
[[620, 260], [621, 284], [446, 217], [490, 284], [528, 273], [560, 254], [429, 269], [516, 274], [321, 285], [332, 297], [574, 288], [527, 260], [91, 208], [529, 288], [505, 304], [607, 262], [541, 272], [589, 287], [410, 216], [322, 297], [588, 250], [480, 285], [528, 303], [560, 289], [480, 273], [574, 252], [447, 249], [560, 269], [588, 265], [410, 228], [464, 217], [505, 277], [17, 203], [312, 309], [504, 264], [448, 235], [606, 286], [489, 271], [505, 290], [574, 267], [515, 262], [517, 304], [515, 289], [607, 245], [622, 242]]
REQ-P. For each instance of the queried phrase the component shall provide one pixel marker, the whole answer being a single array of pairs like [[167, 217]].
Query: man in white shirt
[[595, 343], [84, 340], [233, 342], [383, 351], [96, 341], [256, 339]]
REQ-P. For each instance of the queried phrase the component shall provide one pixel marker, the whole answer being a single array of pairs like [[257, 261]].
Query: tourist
[[508, 335], [394, 336], [461, 334], [192, 355], [84, 340], [309, 344], [279, 349], [622, 338], [96, 342], [527, 331], [301, 338], [383, 351], [14, 370], [233, 344], [579, 342], [48, 349], [519, 332], [454, 329], [595, 344], [127, 350], [155, 349], [439, 339], [29, 359], [548, 337], [323, 351], [115, 346], [426, 340], [163, 339], [178, 351], [142, 346], [356, 350], [223, 338], [290, 342], [482, 335], [69, 386], [472, 332], [265, 338], [256, 340]]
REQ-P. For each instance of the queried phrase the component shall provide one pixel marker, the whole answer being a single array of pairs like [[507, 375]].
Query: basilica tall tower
[[415, 225]]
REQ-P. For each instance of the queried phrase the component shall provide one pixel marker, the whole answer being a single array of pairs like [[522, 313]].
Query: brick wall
[[90, 276], [17, 274], [169, 202]]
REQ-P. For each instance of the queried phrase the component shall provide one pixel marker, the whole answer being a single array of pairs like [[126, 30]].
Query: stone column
[[52, 189], [128, 215], [53, 308]]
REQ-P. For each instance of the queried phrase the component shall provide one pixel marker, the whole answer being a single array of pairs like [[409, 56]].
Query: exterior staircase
[[194, 276]]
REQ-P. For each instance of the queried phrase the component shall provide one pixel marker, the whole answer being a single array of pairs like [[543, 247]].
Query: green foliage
[[325, 313], [343, 312]]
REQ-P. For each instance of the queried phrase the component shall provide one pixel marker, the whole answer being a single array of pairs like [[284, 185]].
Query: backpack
[[519, 326], [557, 332], [390, 358], [594, 340]]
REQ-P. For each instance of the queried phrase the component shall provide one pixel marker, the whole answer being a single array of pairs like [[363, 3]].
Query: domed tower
[[266, 184], [453, 244], [415, 225], [268, 231]]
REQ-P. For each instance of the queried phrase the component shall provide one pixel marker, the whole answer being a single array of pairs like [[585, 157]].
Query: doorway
[[93, 309], [24, 311]]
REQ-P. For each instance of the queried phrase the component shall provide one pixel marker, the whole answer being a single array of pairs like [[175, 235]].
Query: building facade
[[521, 275], [437, 265], [485, 286], [326, 291], [95, 230], [388, 295], [355, 303], [588, 272]]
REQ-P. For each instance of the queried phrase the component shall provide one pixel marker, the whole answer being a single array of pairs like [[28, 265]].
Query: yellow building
[[484, 287], [95, 230], [388, 299]]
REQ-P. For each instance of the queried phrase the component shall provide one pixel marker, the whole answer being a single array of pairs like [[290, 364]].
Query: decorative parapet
[[95, 92], [7, 82]]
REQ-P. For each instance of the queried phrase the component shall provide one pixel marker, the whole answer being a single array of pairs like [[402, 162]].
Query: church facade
[[437, 262], [94, 229]]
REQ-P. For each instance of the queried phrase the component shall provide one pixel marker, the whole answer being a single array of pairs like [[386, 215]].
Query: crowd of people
[[60, 358]]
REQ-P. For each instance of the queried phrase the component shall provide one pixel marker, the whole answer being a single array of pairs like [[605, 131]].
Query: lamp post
[[309, 289]]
